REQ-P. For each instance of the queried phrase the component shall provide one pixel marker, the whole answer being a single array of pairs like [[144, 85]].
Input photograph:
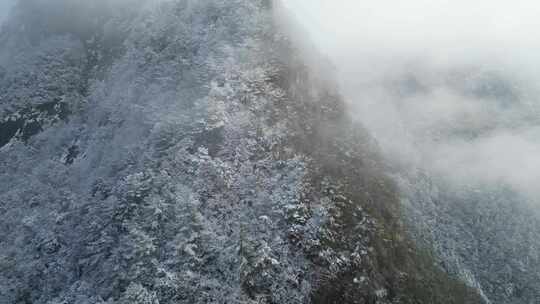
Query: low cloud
[[5, 7], [448, 86]]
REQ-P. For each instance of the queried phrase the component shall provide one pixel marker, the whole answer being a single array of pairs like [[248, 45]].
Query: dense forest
[[199, 151]]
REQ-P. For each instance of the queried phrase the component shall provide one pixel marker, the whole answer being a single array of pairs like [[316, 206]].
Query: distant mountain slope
[[471, 198], [182, 152]]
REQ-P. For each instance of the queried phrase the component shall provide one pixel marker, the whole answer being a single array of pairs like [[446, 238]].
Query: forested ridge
[[184, 152]]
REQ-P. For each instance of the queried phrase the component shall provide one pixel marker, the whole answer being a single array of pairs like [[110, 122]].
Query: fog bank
[[5, 6], [448, 86]]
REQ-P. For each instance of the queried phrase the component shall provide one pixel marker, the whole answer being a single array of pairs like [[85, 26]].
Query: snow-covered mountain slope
[[183, 152], [464, 141], [472, 194]]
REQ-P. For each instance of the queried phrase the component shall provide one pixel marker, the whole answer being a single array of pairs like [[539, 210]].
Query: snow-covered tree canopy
[[183, 152]]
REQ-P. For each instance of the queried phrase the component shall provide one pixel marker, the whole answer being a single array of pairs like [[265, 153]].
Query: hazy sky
[[434, 26], [5, 5], [416, 18]]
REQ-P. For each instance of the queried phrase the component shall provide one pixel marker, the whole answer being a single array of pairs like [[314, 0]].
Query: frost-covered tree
[[182, 152]]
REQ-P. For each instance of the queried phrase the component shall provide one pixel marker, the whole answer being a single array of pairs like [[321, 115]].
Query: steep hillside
[[182, 152], [464, 197]]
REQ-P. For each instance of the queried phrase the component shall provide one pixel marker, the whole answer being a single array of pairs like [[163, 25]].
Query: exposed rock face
[[181, 152]]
